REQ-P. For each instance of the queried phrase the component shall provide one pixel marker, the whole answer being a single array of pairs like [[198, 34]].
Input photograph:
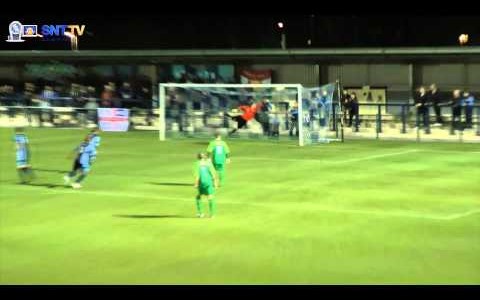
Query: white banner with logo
[[113, 119]]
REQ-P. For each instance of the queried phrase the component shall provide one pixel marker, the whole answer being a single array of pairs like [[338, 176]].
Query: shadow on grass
[[171, 183], [152, 216], [47, 185], [51, 171]]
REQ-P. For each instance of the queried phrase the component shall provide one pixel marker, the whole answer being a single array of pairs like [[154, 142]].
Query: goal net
[[321, 115], [239, 111]]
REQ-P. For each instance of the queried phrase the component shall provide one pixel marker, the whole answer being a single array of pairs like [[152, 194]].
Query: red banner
[[256, 76]]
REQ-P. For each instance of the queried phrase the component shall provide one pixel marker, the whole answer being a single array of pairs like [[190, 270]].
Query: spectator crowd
[[460, 103], [76, 95]]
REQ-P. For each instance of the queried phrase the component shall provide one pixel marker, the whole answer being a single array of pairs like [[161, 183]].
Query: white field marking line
[[33, 144], [48, 139], [309, 206], [451, 151], [313, 160], [461, 215], [376, 156]]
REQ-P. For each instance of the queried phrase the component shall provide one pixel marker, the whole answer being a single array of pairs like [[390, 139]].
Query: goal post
[[341, 113], [161, 115]]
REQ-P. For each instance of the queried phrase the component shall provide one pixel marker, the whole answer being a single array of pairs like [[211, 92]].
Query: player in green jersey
[[219, 153], [206, 182]]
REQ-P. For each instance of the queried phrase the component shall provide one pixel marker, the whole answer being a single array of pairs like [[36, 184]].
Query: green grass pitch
[[361, 212]]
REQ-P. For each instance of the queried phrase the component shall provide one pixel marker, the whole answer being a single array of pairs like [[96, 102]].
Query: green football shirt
[[204, 171], [219, 151]]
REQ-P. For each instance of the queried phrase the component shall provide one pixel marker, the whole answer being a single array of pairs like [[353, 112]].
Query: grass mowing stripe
[[303, 159], [306, 206]]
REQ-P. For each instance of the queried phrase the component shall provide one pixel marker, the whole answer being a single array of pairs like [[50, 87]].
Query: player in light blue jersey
[[82, 164], [24, 168], [95, 140]]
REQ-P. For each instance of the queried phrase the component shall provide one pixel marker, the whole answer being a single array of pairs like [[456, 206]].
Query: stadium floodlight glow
[[463, 38]]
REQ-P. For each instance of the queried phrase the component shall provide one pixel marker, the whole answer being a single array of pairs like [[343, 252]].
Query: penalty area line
[[462, 215], [331, 161], [308, 206]]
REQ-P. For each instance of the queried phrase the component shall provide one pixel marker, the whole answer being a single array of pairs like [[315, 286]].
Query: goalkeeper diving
[[248, 113]]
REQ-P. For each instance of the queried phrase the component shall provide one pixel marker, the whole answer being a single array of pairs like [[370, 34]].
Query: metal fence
[[375, 122], [69, 117], [404, 121]]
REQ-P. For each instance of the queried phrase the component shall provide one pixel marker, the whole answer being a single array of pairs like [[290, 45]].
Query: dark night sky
[[193, 31]]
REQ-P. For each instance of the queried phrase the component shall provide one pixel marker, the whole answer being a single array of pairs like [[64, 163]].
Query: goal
[[255, 111]]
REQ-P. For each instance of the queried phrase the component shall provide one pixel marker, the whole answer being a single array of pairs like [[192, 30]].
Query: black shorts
[[241, 122], [76, 165]]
